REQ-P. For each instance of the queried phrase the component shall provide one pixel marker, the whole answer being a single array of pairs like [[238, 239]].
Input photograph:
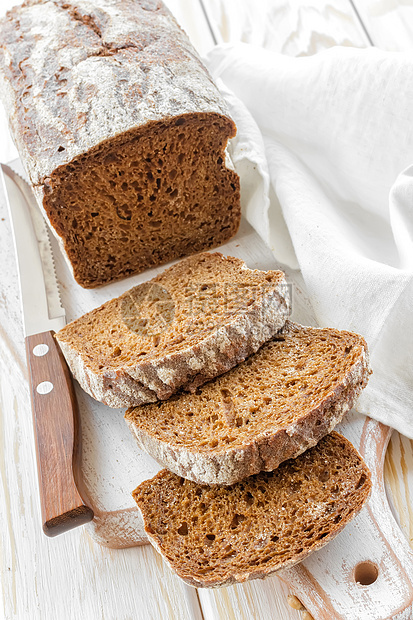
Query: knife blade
[[54, 405]]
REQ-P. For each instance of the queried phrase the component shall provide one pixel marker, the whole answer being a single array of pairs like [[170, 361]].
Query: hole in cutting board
[[365, 573]]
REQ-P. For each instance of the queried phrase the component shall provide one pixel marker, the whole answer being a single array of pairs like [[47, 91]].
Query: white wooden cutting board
[[111, 466]]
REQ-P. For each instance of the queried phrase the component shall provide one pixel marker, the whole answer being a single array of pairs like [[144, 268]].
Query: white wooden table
[[71, 577]]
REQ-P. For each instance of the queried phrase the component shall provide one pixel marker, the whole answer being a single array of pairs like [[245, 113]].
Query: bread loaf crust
[[81, 78], [65, 90], [265, 452]]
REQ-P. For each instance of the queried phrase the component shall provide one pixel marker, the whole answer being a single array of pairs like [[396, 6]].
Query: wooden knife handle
[[55, 414]]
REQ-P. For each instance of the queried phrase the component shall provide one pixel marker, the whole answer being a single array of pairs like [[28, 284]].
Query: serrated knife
[[54, 404]]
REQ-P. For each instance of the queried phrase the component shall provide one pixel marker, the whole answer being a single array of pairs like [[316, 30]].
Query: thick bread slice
[[272, 407], [196, 320], [215, 536]]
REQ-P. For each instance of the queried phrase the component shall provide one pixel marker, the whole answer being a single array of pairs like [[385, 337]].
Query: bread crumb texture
[[214, 536]]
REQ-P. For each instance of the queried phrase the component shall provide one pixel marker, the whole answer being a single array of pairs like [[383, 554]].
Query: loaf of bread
[[196, 320], [215, 536], [122, 132], [271, 407]]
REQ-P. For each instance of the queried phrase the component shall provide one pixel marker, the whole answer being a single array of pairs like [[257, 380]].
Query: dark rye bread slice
[[270, 408], [122, 133], [216, 536], [196, 320]]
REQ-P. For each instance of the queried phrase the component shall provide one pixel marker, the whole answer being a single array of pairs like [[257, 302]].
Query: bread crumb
[[294, 602]]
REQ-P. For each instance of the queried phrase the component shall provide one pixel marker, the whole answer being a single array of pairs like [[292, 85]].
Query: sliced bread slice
[[196, 320], [270, 408], [215, 536]]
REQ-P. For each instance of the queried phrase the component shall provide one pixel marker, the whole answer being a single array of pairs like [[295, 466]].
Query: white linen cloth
[[325, 152]]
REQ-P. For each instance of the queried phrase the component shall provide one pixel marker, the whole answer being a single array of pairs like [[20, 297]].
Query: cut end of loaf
[[271, 407], [215, 536], [146, 197]]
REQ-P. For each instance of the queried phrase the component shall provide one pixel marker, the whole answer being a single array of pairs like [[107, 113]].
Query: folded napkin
[[324, 151]]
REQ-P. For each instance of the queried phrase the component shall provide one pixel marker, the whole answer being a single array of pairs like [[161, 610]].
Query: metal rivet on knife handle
[[40, 350], [44, 387]]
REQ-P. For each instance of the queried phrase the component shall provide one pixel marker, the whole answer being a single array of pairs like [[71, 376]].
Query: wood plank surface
[[72, 577], [389, 23]]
